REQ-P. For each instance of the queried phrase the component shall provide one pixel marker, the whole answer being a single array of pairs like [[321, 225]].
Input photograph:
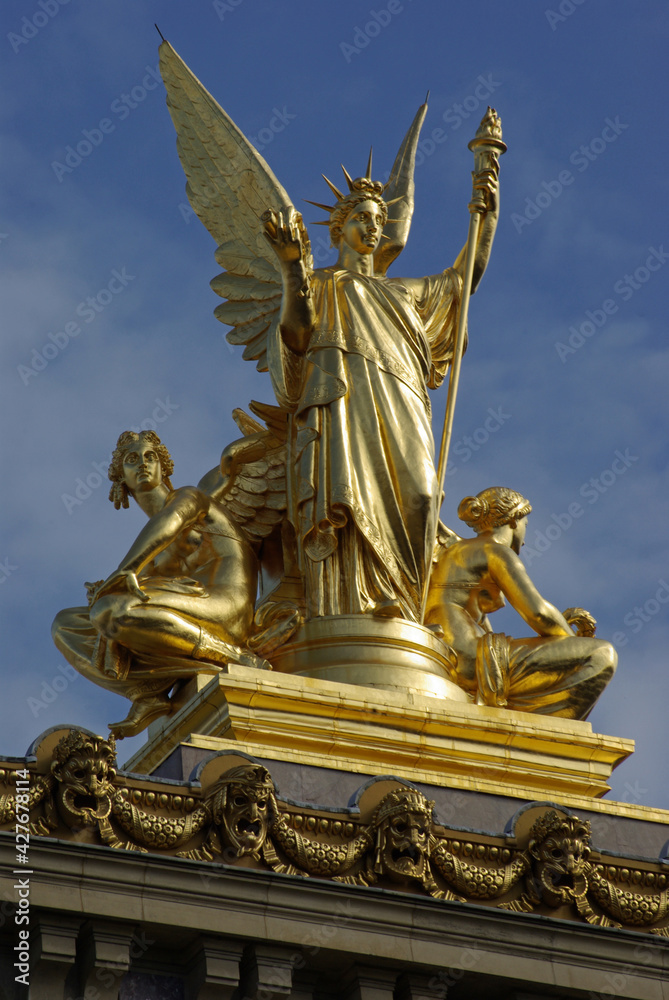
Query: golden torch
[[487, 147]]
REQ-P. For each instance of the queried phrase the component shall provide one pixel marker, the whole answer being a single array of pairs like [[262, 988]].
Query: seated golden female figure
[[181, 600], [554, 673]]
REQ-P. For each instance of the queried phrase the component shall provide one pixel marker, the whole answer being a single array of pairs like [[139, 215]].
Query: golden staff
[[487, 147]]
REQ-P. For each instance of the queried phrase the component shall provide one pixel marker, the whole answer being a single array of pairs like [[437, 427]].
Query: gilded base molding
[[368, 730], [390, 654]]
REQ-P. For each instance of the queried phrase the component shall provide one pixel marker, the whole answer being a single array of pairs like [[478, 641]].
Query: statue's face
[[362, 229], [141, 467], [84, 787], [246, 817], [519, 533], [406, 846]]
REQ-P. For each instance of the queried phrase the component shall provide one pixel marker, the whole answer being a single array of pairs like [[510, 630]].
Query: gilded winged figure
[[350, 351], [329, 508]]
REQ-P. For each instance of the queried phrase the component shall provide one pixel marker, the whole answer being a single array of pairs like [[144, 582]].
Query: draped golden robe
[[365, 487]]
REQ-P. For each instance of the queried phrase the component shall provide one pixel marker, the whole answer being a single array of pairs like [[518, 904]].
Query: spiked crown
[[360, 189]]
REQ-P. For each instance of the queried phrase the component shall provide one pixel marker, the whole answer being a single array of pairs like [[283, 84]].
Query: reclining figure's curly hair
[[119, 492]]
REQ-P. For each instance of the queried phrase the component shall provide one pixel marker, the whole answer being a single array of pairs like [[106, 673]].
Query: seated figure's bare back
[[553, 672]]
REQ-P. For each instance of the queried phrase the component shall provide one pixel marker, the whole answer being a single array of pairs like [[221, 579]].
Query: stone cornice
[[544, 864]]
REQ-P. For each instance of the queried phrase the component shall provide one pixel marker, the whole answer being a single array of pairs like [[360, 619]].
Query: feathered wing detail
[[250, 483], [229, 187], [399, 194]]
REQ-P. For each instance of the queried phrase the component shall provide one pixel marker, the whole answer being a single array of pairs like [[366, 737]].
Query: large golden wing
[[229, 187], [250, 481], [399, 194]]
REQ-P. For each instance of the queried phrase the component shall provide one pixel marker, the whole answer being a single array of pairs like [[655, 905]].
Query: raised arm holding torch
[[487, 147]]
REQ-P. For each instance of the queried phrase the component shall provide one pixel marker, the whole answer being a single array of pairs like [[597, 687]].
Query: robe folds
[[365, 501]]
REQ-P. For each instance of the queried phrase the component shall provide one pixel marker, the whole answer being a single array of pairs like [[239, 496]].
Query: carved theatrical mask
[[84, 769], [403, 836], [243, 808], [559, 846]]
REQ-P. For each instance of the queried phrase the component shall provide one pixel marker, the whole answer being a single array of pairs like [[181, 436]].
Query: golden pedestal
[[391, 654], [276, 716]]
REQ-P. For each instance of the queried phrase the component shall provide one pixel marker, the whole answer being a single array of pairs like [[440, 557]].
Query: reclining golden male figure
[[181, 600], [556, 672]]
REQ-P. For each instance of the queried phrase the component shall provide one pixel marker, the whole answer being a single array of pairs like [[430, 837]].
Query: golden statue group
[[323, 518]]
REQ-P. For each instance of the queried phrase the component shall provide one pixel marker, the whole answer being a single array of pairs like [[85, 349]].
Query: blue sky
[[108, 316]]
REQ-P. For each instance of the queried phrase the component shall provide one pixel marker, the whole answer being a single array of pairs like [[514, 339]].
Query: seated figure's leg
[[561, 676], [189, 643], [76, 636], [77, 631], [163, 643], [144, 626]]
